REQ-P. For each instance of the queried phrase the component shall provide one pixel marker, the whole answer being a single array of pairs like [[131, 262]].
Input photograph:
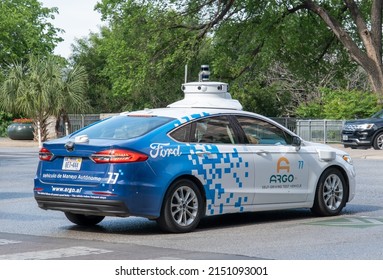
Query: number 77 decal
[[113, 177]]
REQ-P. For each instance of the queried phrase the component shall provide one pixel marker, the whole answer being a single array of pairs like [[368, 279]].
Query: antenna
[[186, 73]]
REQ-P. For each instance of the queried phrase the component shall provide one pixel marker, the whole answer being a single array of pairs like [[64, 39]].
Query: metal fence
[[76, 122], [290, 123], [325, 131]]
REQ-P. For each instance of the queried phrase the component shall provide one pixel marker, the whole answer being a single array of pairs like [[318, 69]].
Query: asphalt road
[[27, 232]]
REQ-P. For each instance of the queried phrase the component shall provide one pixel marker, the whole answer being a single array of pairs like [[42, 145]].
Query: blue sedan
[[200, 156]]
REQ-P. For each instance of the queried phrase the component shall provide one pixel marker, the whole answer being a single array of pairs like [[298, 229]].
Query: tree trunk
[[41, 120], [369, 57], [376, 81]]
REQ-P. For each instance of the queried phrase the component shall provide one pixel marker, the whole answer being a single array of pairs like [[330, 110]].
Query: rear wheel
[[83, 220], [182, 208], [331, 193], [378, 142]]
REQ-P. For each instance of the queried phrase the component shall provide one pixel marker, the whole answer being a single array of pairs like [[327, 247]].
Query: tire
[[331, 193], [378, 142], [182, 208], [83, 220]]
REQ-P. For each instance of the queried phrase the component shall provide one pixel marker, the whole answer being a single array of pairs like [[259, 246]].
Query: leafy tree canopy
[[144, 56], [25, 29], [276, 55]]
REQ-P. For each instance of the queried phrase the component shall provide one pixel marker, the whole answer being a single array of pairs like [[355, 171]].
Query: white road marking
[[352, 222], [54, 254], [6, 242]]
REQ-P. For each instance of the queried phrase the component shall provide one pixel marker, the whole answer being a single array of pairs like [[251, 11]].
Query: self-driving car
[[200, 156]]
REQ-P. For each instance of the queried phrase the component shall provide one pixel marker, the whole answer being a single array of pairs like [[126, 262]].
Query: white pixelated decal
[[218, 171]]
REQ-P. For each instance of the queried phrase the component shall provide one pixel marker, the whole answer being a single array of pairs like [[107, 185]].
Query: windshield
[[122, 127], [378, 115]]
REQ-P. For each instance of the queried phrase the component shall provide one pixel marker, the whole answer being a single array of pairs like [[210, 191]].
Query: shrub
[[340, 104]]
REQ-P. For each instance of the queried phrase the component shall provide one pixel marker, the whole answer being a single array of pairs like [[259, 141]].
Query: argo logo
[[283, 165]]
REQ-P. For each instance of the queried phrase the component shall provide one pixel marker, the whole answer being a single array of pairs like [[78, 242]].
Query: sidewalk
[[360, 153], [7, 142], [354, 153]]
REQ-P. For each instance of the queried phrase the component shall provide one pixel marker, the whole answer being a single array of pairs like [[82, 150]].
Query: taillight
[[45, 154], [118, 156]]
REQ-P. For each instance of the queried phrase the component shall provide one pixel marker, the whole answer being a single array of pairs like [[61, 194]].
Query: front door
[[280, 171]]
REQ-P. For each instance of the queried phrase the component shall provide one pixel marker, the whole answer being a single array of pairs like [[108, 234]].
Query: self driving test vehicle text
[[200, 156]]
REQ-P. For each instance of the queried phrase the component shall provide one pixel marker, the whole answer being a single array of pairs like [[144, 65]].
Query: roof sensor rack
[[206, 94]]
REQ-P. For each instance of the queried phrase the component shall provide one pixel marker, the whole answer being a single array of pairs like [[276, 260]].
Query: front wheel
[[331, 193], [83, 220], [378, 142], [182, 208]]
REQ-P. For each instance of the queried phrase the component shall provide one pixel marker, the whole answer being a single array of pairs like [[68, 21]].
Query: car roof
[[179, 113]]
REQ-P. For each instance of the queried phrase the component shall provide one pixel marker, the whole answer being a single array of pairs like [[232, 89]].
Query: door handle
[[261, 152], [202, 153]]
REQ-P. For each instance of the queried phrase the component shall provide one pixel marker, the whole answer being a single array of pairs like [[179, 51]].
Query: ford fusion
[[200, 156]]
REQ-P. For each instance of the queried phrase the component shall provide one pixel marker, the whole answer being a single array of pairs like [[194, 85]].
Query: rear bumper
[[99, 207]]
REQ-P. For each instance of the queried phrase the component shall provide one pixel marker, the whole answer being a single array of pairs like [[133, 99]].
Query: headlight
[[365, 126], [347, 158]]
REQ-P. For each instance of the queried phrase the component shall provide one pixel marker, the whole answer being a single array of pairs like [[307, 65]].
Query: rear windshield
[[122, 127]]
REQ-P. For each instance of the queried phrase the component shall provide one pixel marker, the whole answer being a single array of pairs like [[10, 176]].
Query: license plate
[[345, 137], [72, 163]]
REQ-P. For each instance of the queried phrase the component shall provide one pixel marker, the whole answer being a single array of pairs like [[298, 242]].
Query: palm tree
[[72, 99], [41, 88]]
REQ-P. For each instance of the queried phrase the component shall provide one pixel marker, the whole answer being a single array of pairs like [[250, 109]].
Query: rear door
[[220, 163]]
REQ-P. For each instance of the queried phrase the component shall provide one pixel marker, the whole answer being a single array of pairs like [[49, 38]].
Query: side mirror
[[297, 142]]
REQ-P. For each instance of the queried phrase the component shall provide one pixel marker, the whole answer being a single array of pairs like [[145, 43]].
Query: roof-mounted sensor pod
[[206, 94]]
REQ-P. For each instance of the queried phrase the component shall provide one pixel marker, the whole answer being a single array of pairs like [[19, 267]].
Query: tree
[[360, 34], [274, 54], [25, 29], [145, 55], [41, 88], [88, 53], [350, 23]]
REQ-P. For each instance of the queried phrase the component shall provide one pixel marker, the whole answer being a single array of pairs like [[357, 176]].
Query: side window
[[216, 130], [182, 134], [261, 132]]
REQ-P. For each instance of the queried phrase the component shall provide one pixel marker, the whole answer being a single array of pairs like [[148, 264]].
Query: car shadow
[[142, 226]]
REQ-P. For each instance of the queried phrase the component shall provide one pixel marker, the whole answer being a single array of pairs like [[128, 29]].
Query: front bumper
[[357, 138]]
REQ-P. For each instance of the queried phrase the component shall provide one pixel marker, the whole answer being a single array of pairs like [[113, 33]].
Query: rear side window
[[123, 127]]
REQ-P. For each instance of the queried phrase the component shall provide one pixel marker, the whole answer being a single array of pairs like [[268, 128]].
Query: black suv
[[364, 133]]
